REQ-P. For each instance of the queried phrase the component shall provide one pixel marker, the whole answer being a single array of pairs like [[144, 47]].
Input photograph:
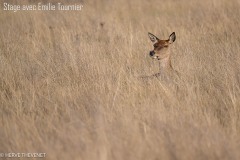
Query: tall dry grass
[[69, 86]]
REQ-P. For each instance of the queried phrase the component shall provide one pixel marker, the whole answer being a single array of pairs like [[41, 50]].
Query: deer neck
[[165, 64]]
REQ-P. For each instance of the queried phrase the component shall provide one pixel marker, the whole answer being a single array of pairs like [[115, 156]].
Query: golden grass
[[69, 87]]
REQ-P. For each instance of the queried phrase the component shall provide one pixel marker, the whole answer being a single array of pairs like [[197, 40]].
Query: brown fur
[[161, 51]]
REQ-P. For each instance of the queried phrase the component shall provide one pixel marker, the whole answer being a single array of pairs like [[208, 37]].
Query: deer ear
[[172, 37], [152, 37]]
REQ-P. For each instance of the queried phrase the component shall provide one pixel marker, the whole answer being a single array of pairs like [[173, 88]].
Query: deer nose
[[151, 53]]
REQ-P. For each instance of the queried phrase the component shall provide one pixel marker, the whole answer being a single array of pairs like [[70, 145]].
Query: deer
[[162, 53]]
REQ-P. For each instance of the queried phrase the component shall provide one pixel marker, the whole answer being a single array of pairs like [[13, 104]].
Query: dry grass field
[[70, 81]]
